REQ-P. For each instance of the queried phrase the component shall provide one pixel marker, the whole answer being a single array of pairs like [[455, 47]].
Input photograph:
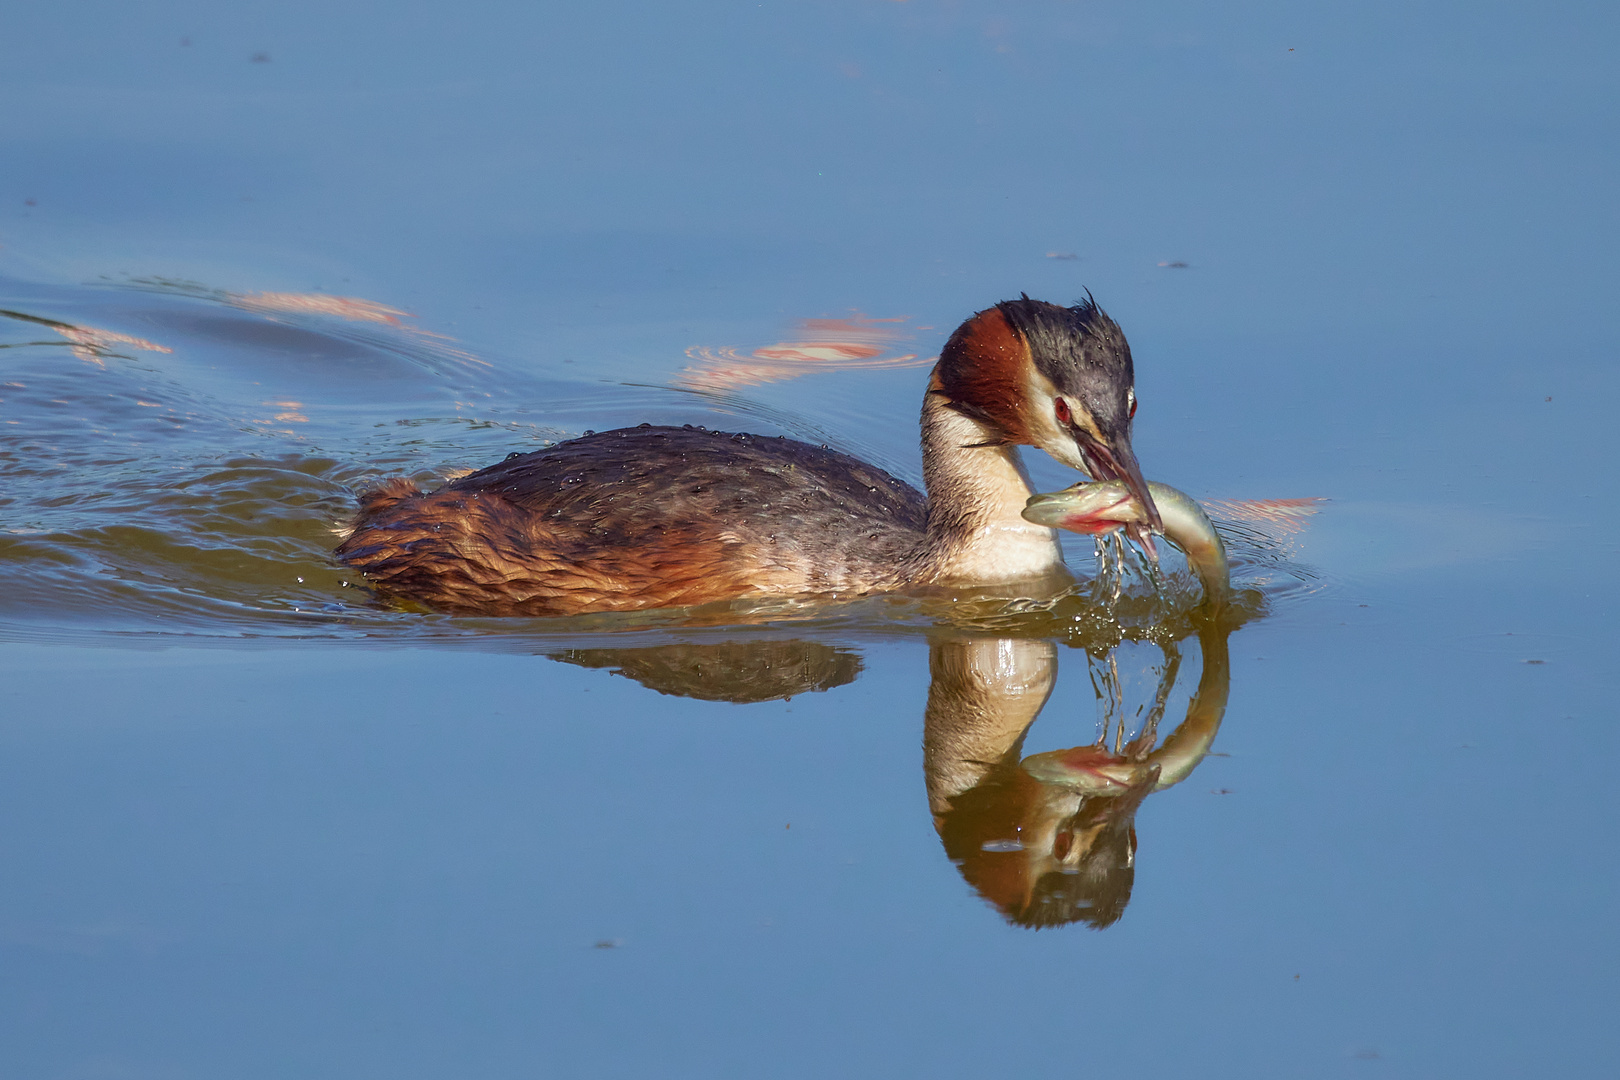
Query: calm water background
[[252, 825]]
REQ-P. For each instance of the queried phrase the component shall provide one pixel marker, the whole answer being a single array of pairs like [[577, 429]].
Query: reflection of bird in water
[[1051, 838], [661, 517], [736, 671]]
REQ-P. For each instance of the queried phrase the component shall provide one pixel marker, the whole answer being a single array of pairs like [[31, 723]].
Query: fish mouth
[[1108, 463], [1105, 463]]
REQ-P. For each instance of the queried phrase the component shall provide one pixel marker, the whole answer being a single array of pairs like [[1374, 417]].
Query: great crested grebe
[[653, 517]]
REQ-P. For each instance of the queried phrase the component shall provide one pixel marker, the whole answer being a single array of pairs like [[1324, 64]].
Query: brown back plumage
[[641, 518]]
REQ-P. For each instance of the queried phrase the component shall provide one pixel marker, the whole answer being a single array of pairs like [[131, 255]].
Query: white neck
[[983, 695], [976, 493]]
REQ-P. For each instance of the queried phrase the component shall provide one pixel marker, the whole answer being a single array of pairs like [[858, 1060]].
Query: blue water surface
[[253, 259]]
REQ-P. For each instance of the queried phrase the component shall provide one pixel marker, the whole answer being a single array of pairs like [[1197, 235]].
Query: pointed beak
[[1118, 462]]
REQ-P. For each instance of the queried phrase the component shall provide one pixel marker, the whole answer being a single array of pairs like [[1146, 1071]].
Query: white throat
[[976, 495]]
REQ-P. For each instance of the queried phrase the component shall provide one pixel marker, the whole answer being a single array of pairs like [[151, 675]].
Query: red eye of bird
[[1132, 397], [1061, 407]]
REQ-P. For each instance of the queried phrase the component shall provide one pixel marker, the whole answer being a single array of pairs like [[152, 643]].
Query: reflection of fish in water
[[1051, 838], [668, 517]]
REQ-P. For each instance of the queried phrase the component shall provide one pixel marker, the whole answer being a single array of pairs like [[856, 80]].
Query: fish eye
[[1061, 408], [1130, 399]]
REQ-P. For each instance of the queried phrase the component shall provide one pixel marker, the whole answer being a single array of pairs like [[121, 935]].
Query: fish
[[1098, 508]]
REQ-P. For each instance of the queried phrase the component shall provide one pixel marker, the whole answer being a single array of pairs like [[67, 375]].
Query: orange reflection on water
[[344, 307], [290, 415], [89, 343], [352, 308], [1273, 522], [1281, 515], [858, 341]]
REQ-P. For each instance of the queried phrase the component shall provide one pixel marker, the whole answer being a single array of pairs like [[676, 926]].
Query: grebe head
[[1059, 378]]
